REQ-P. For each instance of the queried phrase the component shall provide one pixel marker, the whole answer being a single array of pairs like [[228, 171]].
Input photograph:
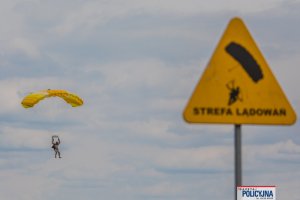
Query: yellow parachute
[[33, 98]]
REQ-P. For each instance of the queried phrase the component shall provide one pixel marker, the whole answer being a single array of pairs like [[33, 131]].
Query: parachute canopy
[[33, 98]]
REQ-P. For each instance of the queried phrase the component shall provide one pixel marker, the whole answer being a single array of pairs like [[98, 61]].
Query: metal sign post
[[237, 156]]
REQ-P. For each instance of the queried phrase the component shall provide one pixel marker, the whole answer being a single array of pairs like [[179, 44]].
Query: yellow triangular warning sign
[[238, 86]]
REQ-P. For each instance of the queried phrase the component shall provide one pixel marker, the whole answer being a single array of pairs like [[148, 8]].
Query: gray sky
[[135, 63]]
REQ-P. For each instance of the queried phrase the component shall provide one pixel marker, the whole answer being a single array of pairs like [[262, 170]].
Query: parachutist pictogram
[[235, 93]]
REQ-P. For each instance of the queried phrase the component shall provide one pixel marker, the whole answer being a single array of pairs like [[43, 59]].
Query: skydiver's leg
[[57, 153]]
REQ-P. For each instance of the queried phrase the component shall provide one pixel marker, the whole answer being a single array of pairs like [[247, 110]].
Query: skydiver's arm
[[227, 85]]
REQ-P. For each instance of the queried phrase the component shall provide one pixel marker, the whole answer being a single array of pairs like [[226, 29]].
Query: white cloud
[[24, 186], [84, 17], [205, 158], [145, 73], [17, 138], [10, 101], [25, 46], [284, 152], [10, 21], [164, 189]]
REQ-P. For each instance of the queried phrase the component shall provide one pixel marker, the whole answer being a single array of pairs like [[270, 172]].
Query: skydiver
[[55, 147], [234, 94]]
